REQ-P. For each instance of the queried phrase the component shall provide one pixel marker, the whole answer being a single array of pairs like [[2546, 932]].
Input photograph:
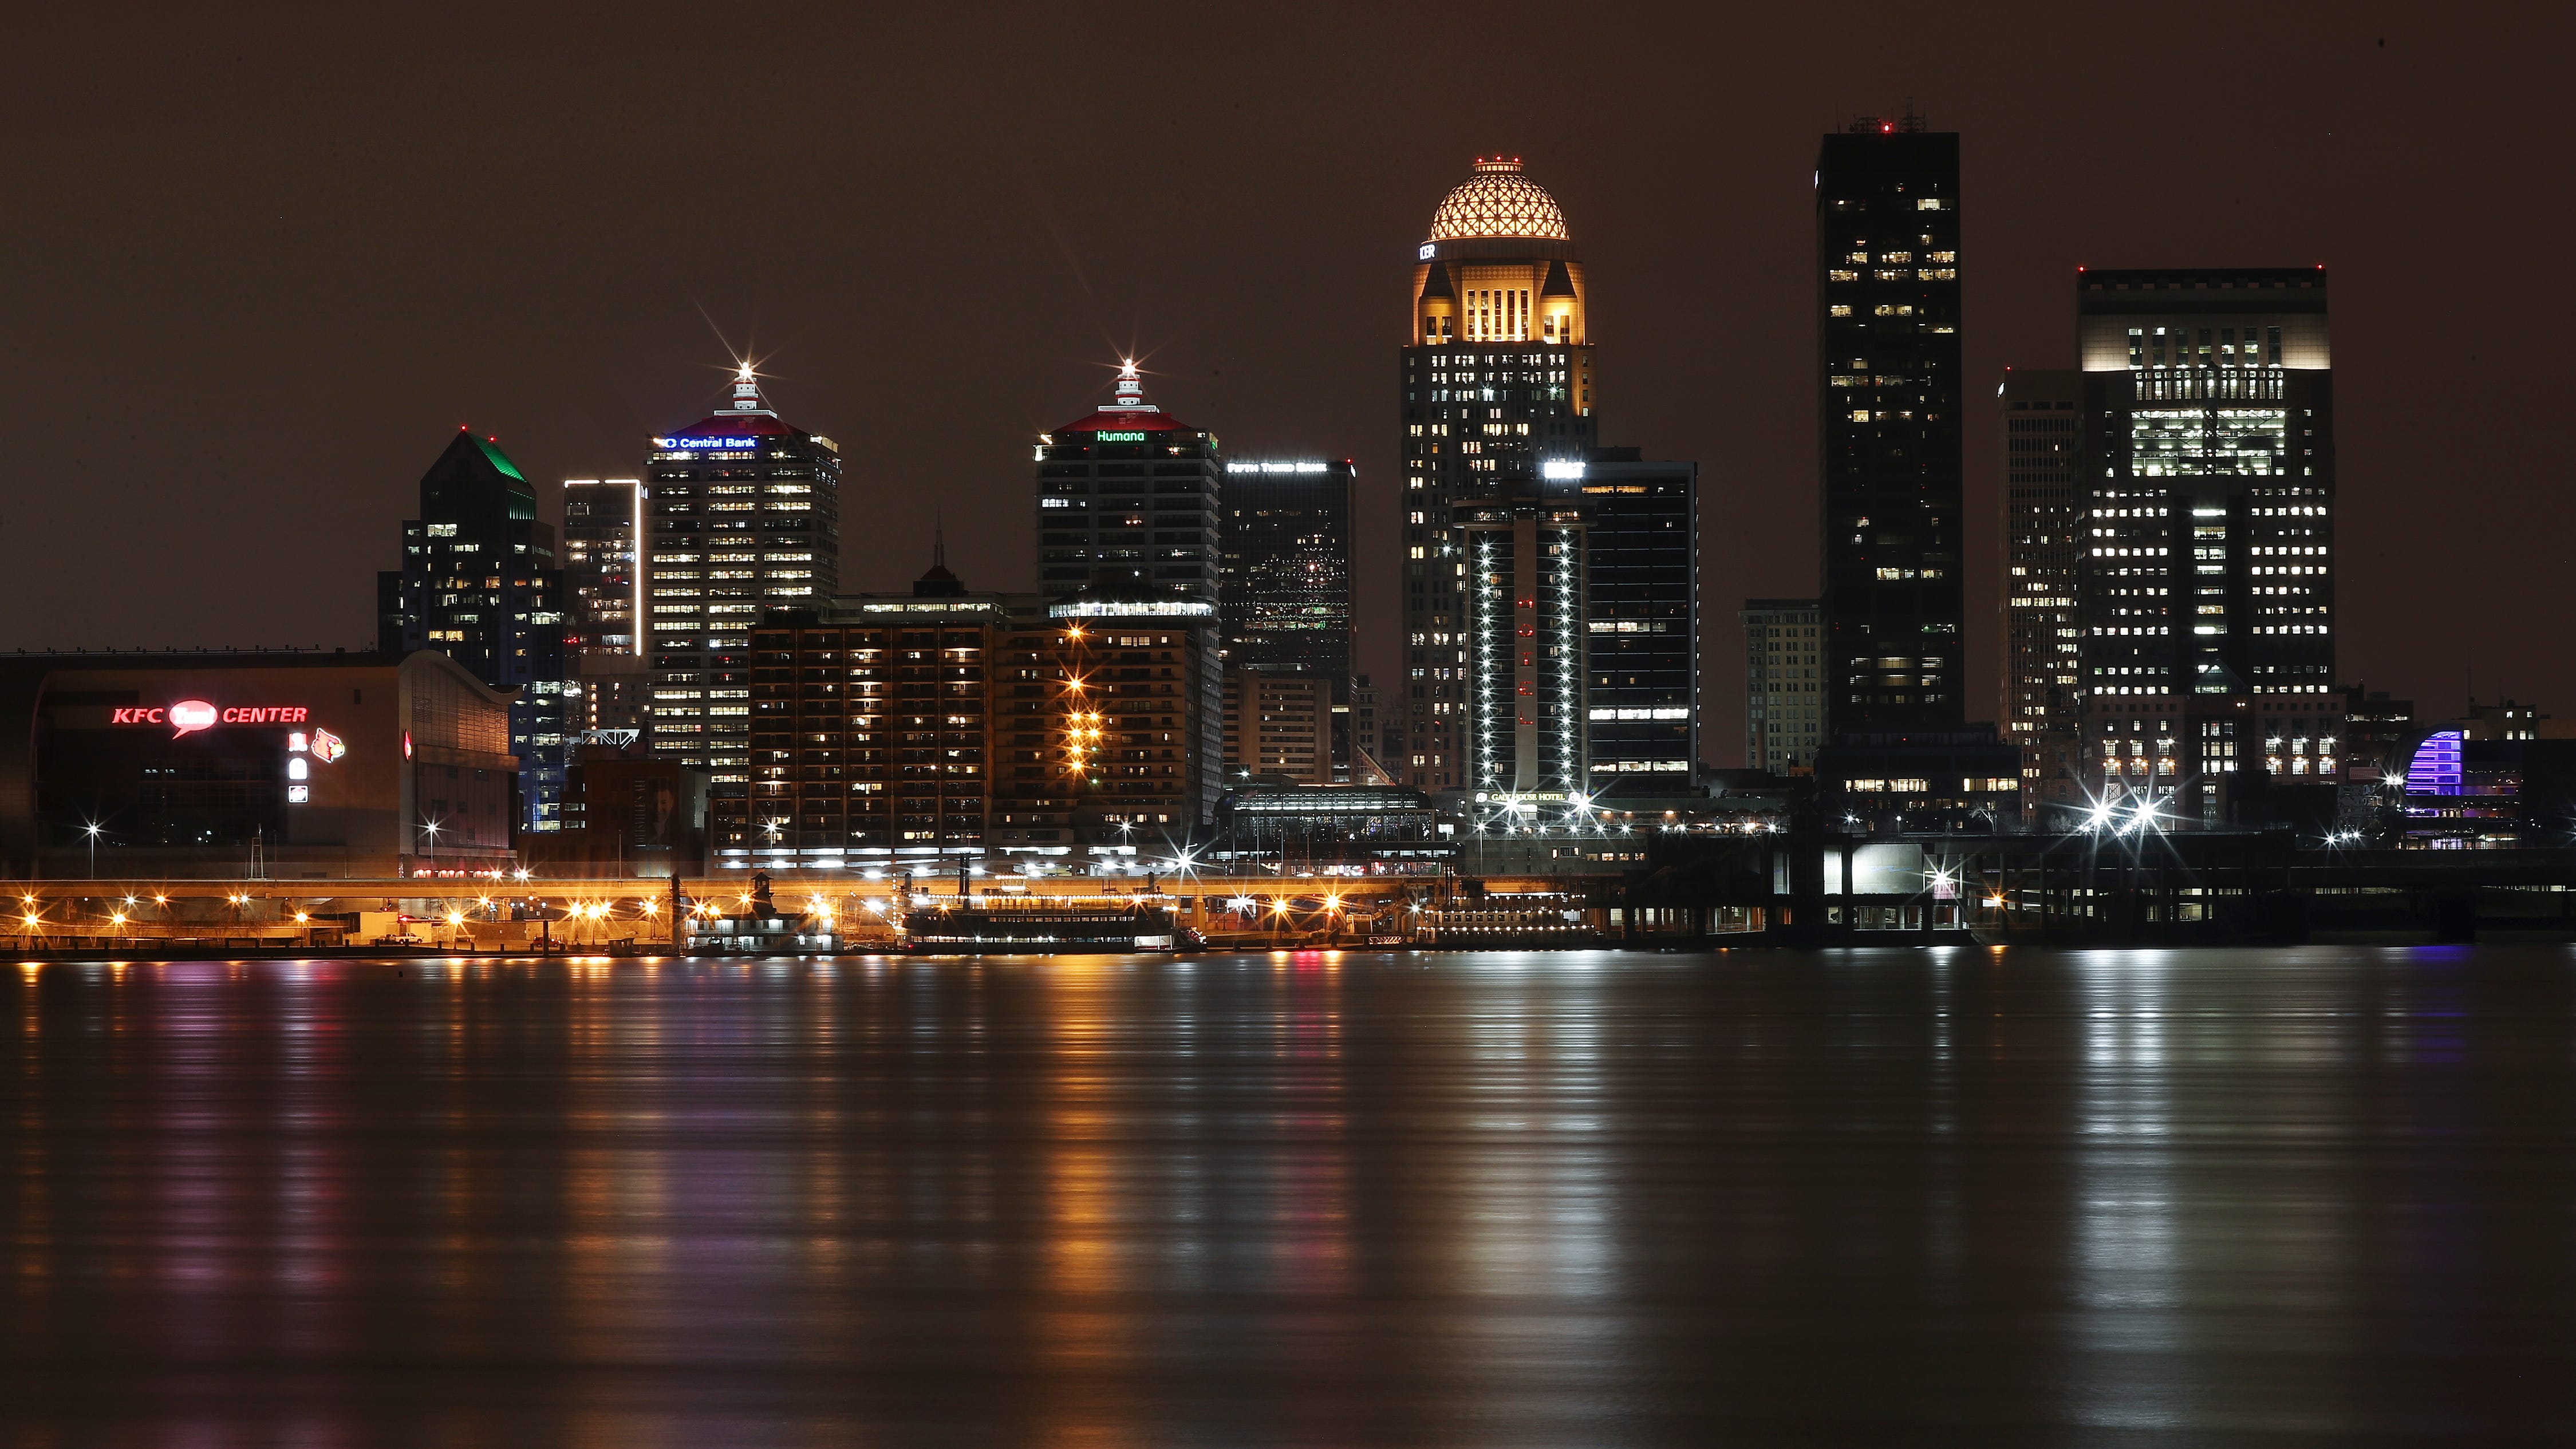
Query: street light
[[91, 829]]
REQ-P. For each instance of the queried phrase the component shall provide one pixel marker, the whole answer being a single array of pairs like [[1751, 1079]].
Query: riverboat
[[1022, 926]]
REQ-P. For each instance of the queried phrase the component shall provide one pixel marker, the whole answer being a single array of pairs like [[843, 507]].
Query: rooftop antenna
[[746, 395]]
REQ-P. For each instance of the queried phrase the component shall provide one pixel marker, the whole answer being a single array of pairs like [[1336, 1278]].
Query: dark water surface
[[1884, 1197]]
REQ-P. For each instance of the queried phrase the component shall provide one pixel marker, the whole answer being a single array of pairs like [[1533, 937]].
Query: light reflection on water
[[1292, 1198]]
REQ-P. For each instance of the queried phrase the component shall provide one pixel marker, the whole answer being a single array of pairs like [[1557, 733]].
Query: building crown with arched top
[[1499, 265]]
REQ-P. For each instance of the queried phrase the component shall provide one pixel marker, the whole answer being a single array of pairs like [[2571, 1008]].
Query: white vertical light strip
[[1484, 682], [1569, 683], [635, 536]]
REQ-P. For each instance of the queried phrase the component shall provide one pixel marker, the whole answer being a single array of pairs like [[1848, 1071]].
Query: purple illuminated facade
[[2435, 768]]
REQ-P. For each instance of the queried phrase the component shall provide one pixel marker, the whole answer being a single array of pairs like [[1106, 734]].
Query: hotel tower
[[1497, 382]]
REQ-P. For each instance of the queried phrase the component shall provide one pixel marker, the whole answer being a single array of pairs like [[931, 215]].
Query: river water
[[1951, 1196]]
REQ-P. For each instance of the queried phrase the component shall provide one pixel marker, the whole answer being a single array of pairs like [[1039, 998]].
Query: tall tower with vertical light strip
[[1496, 377]]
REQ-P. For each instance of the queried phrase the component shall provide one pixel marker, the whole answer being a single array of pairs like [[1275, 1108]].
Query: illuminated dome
[[1498, 201]]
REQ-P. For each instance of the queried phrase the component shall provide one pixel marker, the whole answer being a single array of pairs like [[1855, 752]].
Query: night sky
[[259, 269]]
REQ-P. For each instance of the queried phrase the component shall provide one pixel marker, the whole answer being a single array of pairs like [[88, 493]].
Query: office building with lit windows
[[873, 728], [1889, 405], [1641, 621], [2042, 627], [1129, 495], [742, 514], [1783, 685], [480, 583], [603, 575], [1496, 376], [1139, 719], [604, 590], [1284, 566], [1129, 545], [2208, 489], [1278, 722]]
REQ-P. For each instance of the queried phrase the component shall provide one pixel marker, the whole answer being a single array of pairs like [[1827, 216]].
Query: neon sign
[[706, 442], [1118, 437], [327, 747], [191, 715]]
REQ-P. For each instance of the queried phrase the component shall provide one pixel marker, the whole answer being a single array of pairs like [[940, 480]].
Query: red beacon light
[[1887, 128]]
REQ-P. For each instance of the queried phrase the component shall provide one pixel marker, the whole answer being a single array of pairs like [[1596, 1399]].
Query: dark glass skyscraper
[[1496, 373], [1127, 560], [1641, 619], [479, 583], [1285, 567], [601, 565], [1889, 405], [1127, 499]]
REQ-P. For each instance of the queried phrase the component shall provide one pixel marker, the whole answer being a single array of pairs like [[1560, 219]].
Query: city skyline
[[569, 375]]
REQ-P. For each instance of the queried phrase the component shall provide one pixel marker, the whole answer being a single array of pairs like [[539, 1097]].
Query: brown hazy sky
[[258, 268]]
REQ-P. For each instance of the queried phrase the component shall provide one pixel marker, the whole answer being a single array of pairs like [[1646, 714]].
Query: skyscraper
[[1496, 373], [604, 585], [602, 573], [2208, 474], [1128, 496], [1285, 566], [742, 513], [1887, 259], [479, 583], [1641, 619], [1783, 693], [1127, 562], [2042, 694]]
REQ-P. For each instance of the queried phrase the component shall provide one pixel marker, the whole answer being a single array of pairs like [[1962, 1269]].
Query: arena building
[[245, 765]]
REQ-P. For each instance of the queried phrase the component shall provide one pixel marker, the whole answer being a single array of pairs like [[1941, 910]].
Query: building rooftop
[[750, 415], [1128, 412], [1498, 201]]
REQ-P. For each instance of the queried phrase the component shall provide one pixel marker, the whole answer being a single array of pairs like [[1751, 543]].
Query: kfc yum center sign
[[191, 715]]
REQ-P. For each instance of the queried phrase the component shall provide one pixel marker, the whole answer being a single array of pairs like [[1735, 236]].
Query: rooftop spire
[[1131, 391], [938, 582], [746, 396]]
